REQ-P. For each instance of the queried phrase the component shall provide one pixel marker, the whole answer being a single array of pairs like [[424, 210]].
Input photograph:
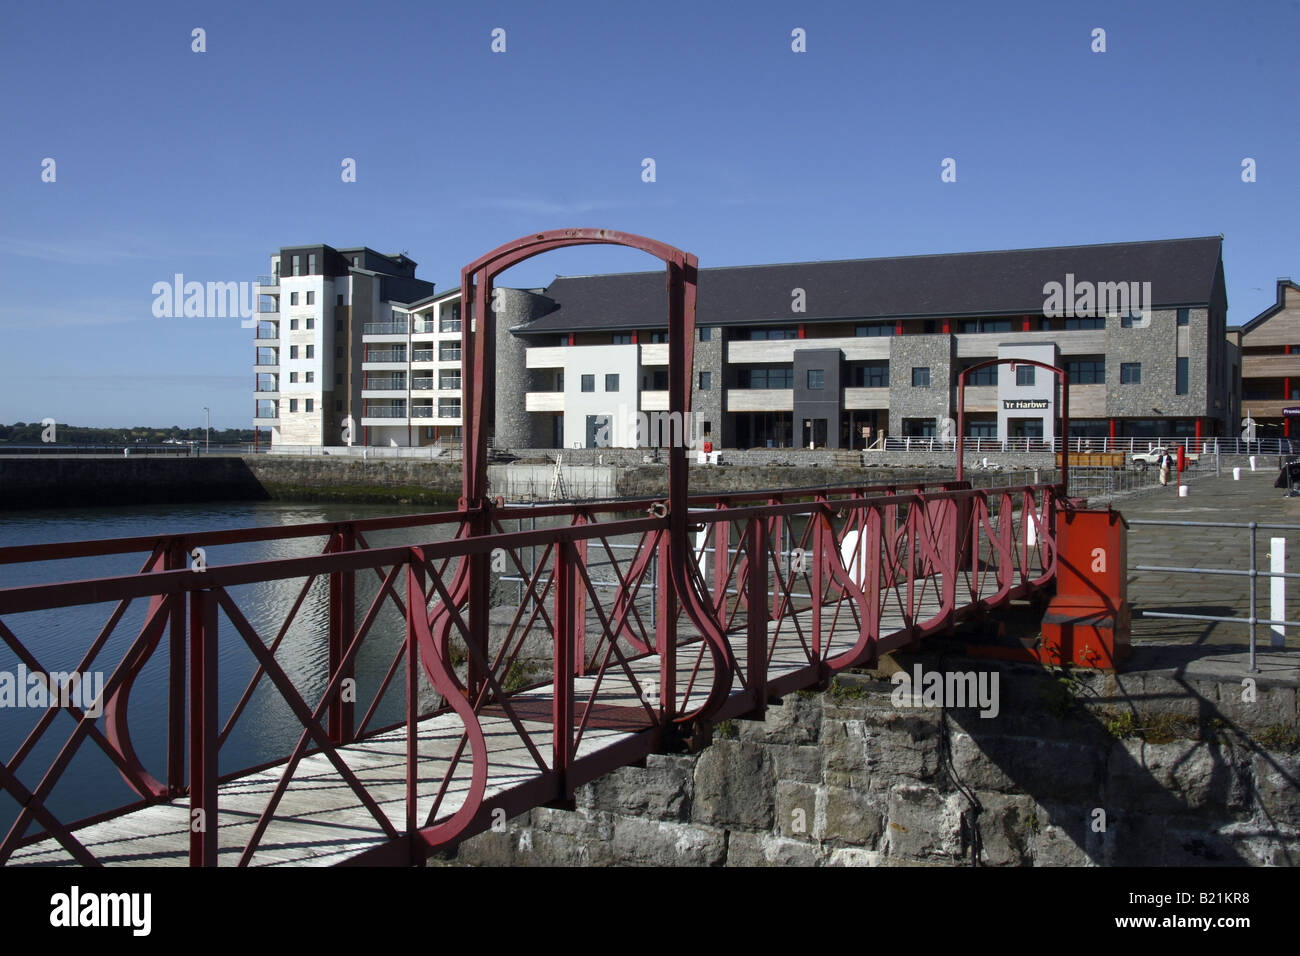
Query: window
[[293, 351], [293, 404], [588, 383], [338, 351], [622, 338], [658, 381], [339, 300], [984, 376], [338, 404], [706, 381], [658, 338], [1182, 316], [870, 375], [1075, 323], [448, 351], [874, 329], [968, 326], [311, 351], [765, 377], [293, 298], [1087, 371], [816, 378], [611, 383], [982, 429], [1130, 373], [450, 322], [311, 298], [1132, 318], [297, 265], [310, 404], [293, 378], [338, 378], [311, 377], [706, 333], [355, 260], [311, 265], [763, 335], [921, 377], [1180, 378], [293, 325], [311, 323], [1024, 375]]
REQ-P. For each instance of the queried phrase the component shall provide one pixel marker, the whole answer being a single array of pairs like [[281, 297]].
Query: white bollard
[[1252, 462], [1236, 474], [1277, 608], [1182, 491]]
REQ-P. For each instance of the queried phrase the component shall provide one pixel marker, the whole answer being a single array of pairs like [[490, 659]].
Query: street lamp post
[[207, 446]]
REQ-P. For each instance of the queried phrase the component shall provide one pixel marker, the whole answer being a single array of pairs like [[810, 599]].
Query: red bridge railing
[[787, 589]]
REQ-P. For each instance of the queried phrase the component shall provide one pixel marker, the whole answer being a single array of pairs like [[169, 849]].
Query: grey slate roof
[[1010, 282]]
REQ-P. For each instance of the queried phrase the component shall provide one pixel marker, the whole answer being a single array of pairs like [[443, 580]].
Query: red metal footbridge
[[656, 617]]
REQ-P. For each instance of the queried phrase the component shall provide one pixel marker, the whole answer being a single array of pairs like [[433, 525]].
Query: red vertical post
[[898, 327], [776, 533], [666, 635], [175, 561], [721, 559], [819, 558], [562, 673], [415, 604], [342, 627], [579, 646], [203, 729], [756, 613], [802, 334]]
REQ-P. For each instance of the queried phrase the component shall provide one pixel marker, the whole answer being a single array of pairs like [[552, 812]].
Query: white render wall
[[622, 406], [1044, 387]]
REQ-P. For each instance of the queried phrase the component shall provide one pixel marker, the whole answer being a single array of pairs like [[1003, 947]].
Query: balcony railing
[[449, 411], [267, 387], [422, 325], [384, 411], [268, 332], [422, 355], [395, 355], [268, 360], [422, 411], [421, 384], [449, 383], [267, 413], [394, 382], [268, 280], [384, 328], [450, 325], [449, 355]]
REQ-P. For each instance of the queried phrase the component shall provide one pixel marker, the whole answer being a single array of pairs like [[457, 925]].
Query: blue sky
[[173, 161]]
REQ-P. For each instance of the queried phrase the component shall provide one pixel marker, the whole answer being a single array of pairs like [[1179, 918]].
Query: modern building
[[1270, 363], [319, 312], [834, 354]]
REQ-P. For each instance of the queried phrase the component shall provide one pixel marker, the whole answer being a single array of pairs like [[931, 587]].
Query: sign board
[[1291, 411], [1020, 404]]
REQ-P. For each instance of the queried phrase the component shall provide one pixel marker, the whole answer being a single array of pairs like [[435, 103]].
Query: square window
[[311, 351], [293, 404], [622, 338], [1130, 373], [1024, 375], [1183, 316], [293, 325], [706, 333], [311, 298], [706, 381], [588, 383], [816, 378], [310, 405], [293, 351], [611, 383], [311, 323], [293, 298], [293, 378], [311, 377], [921, 377], [658, 338]]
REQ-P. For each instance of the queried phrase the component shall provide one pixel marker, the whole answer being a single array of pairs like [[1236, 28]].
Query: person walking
[[1165, 463]]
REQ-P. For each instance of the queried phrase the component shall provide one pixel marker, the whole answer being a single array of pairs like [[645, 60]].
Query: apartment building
[[835, 353], [313, 310], [1270, 363]]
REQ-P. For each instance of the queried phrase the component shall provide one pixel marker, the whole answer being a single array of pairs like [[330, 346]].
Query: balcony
[[422, 355], [448, 354], [384, 411], [268, 330], [421, 411], [449, 411], [385, 328], [267, 361], [393, 355], [391, 383], [449, 382], [422, 384], [269, 282], [423, 326]]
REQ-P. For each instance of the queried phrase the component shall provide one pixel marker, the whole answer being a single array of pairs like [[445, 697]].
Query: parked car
[[1152, 457]]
